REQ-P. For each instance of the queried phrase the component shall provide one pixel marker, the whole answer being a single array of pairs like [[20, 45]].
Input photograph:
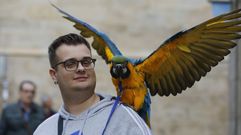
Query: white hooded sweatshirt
[[124, 121]]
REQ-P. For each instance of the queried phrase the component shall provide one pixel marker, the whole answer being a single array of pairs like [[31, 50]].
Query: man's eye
[[86, 62], [70, 64]]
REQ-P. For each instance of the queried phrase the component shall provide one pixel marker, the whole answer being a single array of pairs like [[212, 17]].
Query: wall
[[138, 27]]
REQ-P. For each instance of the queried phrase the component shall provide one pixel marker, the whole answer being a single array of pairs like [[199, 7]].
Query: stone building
[[138, 27]]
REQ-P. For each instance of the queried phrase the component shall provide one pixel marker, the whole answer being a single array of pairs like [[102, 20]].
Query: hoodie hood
[[93, 110]]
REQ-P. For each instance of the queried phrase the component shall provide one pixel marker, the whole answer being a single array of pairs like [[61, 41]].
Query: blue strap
[[114, 106], [60, 125]]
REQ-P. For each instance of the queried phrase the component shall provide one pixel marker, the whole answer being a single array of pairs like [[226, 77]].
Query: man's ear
[[52, 73]]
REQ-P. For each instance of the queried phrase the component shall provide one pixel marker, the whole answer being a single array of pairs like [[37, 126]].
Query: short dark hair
[[29, 82], [70, 39]]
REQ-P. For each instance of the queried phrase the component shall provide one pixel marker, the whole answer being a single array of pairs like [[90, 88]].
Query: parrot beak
[[120, 71]]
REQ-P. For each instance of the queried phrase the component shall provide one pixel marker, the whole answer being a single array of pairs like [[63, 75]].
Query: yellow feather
[[108, 53], [184, 48]]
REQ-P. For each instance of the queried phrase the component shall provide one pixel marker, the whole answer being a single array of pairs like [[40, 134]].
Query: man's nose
[[80, 67]]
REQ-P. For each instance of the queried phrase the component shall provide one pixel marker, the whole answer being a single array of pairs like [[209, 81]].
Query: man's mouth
[[81, 78]]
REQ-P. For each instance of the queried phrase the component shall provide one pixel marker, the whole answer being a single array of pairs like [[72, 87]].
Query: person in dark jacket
[[24, 116], [47, 106]]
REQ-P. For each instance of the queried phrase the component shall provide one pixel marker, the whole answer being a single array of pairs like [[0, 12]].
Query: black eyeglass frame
[[78, 61]]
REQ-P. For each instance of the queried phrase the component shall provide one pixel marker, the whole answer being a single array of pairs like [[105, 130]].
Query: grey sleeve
[[127, 122]]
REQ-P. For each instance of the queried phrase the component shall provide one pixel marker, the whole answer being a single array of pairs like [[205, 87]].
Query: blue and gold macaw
[[173, 67]]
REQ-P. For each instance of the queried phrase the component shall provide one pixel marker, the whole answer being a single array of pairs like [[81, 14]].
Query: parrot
[[174, 66]]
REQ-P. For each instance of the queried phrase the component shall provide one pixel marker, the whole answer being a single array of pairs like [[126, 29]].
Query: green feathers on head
[[119, 59]]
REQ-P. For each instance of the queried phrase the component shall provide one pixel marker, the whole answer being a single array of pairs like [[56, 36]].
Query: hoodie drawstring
[[86, 117]]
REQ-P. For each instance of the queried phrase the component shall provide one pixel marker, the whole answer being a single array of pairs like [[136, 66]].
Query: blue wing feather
[[102, 35], [145, 111]]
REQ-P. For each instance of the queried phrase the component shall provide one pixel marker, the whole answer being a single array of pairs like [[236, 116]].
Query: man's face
[[79, 80], [27, 93]]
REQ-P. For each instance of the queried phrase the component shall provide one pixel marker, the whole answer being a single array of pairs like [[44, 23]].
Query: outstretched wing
[[189, 55], [102, 44]]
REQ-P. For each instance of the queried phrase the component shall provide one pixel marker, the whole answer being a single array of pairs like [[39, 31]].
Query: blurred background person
[[47, 106], [22, 117]]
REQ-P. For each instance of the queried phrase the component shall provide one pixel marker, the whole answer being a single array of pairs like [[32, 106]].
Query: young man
[[22, 117], [84, 112]]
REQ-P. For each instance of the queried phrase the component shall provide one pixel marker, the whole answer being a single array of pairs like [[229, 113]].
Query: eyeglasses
[[73, 64], [28, 91]]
